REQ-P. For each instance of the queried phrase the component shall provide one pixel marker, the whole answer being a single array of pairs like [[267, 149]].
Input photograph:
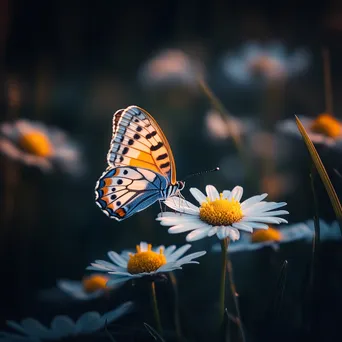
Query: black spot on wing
[[125, 150], [162, 156], [136, 136], [163, 166], [157, 147], [151, 135]]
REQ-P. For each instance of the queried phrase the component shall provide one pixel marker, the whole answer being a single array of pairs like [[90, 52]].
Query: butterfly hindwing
[[138, 141], [122, 191]]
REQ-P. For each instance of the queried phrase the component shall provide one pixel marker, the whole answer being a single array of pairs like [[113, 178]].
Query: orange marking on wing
[[144, 160], [108, 182], [120, 212], [111, 205], [105, 191]]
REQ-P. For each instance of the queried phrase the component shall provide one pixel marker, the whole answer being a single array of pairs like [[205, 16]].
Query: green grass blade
[[335, 202]]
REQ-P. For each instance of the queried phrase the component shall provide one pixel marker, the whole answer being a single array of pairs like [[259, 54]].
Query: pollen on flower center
[[94, 283], [221, 212], [327, 125], [146, 261], [269, 234], [36, 143]]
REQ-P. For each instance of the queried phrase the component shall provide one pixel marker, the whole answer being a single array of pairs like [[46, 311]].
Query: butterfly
[[141, 168]]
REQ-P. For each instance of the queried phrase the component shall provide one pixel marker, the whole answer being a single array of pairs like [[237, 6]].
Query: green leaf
[[335, 202]]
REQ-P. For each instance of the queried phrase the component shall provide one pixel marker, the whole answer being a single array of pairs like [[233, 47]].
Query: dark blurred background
[[74, 64]]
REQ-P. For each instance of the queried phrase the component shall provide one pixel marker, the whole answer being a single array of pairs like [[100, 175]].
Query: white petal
[[262, 207], [188, 258], [234, 234], [222, 232], [212, 193], [143, 246], [226, 194], [199, 196], [184, 219], [178, 253], [117, 259], [169, 250], [180, 228], [237, 193], [198, 234], [263, 219], [242, 226], [181, 205], [212, 231], [252, 200]]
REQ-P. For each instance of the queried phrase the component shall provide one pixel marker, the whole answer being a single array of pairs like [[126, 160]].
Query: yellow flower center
[[36, 143], [262, 235], [147, 261], [327, 125], [221, 212], [94, 283]]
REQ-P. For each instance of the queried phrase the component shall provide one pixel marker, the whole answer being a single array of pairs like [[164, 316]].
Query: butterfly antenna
[[202, 172]]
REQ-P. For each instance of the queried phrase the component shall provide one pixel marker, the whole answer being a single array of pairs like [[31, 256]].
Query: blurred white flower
[[325, 129], [255, 62], [35, 144], [220, 213], [271, 237], [63, 326], [90, 287], [327, 231], [145, 262], [224, 127], [171, 67]]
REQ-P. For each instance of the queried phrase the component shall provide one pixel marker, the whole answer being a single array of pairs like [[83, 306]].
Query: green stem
[[224, 246], [176, 299], [155, 308], [235, 296]]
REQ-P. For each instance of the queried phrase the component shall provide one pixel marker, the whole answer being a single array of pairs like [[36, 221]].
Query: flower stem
[[155, 308], [224, 245], [235, 296], [176, 300]]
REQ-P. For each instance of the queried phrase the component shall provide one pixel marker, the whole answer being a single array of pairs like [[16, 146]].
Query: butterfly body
[[141, 168]]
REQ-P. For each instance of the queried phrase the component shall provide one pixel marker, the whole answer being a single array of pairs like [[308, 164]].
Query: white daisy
[[324, 129], [171, 67], [270, 61], [220, 213], [145, 262], [35, 144], [63, 326], [271, 237], [90, 287], [220, 127]]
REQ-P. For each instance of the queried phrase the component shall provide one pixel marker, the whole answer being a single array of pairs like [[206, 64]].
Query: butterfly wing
[[138, 141], [123, 191]]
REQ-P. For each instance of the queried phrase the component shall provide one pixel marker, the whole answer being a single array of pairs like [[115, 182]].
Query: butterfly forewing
[[138, 141]]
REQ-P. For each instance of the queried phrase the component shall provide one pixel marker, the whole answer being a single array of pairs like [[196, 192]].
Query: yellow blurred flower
[[35, 144]]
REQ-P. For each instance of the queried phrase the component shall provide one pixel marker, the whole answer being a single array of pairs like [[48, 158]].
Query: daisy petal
[[226, 194], [242, 226], [170, 221], [198, 234], [252, 200], [178, 253], [212, 192], [181, 205], [117, 259], [198, 195], [180, 228], [237, 193]]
